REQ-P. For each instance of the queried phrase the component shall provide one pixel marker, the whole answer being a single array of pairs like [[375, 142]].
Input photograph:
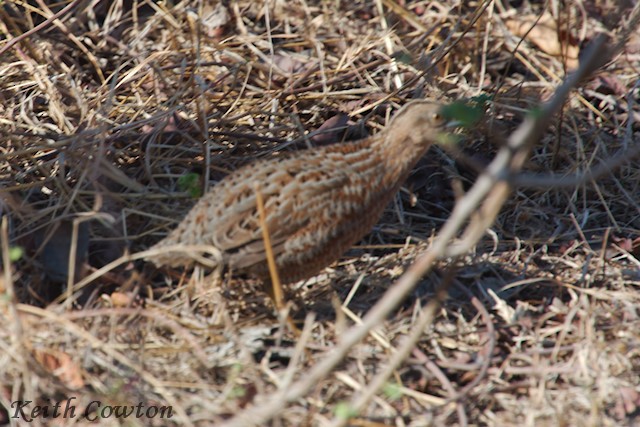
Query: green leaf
[[344, 410], [15, 253], [444, 138], [392, 390], [191, 184], [236, 369], [536, 112], [482, 100], [237, 392], [465, 113]]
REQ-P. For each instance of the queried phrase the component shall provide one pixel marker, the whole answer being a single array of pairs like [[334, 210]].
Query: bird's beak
[[452, 124]]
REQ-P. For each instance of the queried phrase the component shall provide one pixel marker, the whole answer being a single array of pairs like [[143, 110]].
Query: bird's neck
[[399, 152]]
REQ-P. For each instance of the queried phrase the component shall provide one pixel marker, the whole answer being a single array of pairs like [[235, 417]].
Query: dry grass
[[104, 113]]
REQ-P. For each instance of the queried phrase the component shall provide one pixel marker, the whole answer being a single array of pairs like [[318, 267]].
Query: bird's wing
[[292, 190]]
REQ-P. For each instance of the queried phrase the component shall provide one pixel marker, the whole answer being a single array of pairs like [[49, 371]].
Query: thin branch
[[489, 192], [68, 8], [575, 180]]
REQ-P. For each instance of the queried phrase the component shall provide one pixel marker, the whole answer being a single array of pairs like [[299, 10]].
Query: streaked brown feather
[[318, 201]]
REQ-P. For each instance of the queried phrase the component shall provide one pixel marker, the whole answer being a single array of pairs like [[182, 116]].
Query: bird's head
[[419, 122]]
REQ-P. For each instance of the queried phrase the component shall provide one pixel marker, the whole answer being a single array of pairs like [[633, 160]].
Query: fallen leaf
[[291, 64], [628, 403], [609, 84], [60, 364], [120, 299], [544, 34], [331, 130], [214, 20]]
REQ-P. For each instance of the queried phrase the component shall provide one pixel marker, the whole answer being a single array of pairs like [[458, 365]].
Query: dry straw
[[107, 111]]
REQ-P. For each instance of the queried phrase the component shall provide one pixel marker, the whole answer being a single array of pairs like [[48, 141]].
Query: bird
[[318, 202]]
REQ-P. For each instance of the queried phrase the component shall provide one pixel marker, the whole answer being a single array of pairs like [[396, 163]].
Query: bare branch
[[571, 181], [489, 193]]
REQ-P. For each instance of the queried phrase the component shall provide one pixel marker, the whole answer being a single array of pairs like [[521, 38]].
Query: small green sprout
[[466, 114], [15, 253], [344, 410], [393, 391], [191, 184]]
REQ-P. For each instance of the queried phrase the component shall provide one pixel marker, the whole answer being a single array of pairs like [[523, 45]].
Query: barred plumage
[[318, 202]]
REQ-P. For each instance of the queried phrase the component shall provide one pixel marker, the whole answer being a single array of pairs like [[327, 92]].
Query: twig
[[7, 283], [276, 286], [489, 347], [444, 381], [489, 191], [197, 252], [417, 330], [492, 187], [49, 316], [489, 194], [571, 181], [46, 23]]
